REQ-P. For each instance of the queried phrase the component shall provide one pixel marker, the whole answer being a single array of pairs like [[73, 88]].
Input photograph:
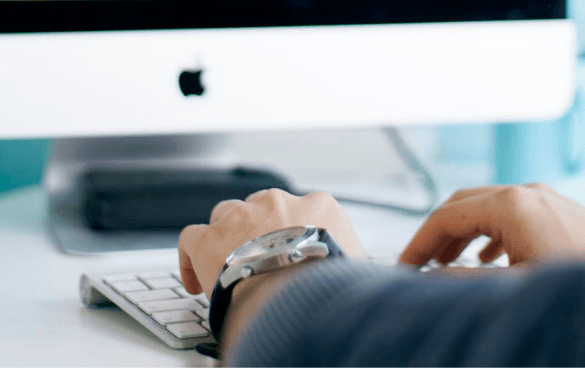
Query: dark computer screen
[[78, 15]]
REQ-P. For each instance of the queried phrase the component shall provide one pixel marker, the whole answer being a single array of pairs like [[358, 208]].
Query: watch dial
[[265, 243]]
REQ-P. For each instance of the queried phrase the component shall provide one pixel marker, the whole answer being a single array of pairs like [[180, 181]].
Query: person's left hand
[[204, 248], [532, 223]]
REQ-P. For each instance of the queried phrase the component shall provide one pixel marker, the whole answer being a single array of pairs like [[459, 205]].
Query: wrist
[[254, 272]]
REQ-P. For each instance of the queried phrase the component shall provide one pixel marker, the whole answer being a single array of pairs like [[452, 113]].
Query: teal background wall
[[22, 162]]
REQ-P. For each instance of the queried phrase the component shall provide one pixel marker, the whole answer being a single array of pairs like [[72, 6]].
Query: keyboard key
[[177, 275], [166, 283], [125, 286], [164, 318], [119, 277], [169, 305], [203, 313], [467, 261], [143, 296], [202, 299], [153, 275], [206, 325], [187, 330], [182, 292]]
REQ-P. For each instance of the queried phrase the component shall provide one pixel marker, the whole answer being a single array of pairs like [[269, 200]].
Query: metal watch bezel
[[303, 247]]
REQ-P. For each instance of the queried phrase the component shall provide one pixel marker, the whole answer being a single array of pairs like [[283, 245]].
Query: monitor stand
[[70, 158]]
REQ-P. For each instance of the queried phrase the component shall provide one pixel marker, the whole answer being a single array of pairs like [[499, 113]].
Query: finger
[[223, 208], [190, 280], [254, 196], [465, 218], [466, 193], [442, 245], [541, 187], [453, 250], [189, 237], [493, 250]]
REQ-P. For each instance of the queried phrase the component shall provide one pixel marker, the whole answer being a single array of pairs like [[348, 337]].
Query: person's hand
[[204, 248], [529, 223]]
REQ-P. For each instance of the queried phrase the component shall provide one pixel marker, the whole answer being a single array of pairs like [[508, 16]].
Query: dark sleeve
[[344, 314]]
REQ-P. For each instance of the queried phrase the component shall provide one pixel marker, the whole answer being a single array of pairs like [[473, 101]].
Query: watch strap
[[220, 302], [335, 249]]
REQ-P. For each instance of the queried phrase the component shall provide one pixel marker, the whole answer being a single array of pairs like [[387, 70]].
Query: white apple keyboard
[[157, 300]]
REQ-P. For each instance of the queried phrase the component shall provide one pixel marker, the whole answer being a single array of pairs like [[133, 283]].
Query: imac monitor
[[87, 68], [95, 73]]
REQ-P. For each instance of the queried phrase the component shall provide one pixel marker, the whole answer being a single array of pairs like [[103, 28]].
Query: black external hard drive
[[166, 198]]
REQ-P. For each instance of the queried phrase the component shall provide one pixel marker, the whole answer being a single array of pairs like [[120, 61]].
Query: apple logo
[[190, 82]]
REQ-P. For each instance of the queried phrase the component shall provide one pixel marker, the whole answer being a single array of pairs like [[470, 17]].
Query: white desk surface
[[44, 323]]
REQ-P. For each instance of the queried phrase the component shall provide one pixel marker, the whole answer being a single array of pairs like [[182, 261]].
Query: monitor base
[[70, 158]]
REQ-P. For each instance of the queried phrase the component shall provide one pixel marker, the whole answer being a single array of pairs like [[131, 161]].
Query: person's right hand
[[530, 222]]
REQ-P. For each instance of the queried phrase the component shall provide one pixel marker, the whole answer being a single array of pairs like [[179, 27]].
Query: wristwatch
[[275, 250]]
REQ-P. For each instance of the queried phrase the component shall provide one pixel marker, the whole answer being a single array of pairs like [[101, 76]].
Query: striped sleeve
[[302, 303], [339, 313]]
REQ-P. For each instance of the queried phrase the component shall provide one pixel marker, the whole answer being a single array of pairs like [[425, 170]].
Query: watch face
[[261, 245]]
